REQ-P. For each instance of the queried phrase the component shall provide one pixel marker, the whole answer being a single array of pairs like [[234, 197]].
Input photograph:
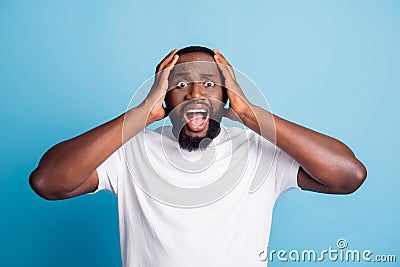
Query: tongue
[[197, 120]]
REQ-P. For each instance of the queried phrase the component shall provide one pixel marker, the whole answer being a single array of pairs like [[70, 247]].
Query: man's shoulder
[[152, 131], [235, 131], [161, 132]]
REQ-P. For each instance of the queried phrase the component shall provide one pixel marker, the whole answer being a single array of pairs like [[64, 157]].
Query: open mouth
[[196, 117]]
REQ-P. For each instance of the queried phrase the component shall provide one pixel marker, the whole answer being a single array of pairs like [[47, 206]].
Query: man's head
[[196, 98]]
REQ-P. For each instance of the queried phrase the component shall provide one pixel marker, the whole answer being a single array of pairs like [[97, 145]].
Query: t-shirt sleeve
[[109, 171], [286, 169]]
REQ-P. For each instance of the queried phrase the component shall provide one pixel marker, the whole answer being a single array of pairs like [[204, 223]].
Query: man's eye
[[182, 84], [209, 84]]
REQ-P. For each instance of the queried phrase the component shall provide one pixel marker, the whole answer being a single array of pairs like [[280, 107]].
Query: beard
[[191, 143], [180, 130]]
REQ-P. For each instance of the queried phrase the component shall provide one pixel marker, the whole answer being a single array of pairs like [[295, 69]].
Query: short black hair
[[203, 49], [195, 48]]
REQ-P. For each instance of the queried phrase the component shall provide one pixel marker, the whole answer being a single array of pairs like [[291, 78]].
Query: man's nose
[[196, 91]]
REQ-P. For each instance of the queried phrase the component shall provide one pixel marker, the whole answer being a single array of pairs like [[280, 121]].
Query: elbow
[[354, 179], [39, 183]]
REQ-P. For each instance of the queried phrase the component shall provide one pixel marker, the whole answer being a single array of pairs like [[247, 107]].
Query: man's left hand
[[239, 105]]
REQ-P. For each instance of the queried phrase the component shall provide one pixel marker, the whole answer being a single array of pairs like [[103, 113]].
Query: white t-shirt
[[201, 208]]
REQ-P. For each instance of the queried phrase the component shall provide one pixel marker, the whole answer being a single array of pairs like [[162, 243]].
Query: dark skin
[[69, 168], [196, 79]]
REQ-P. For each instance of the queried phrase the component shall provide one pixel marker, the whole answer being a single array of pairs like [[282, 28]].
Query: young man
[[209, 217]]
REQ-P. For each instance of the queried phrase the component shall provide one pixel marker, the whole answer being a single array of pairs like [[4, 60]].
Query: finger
[[173, 62], [166, 71], [168, 68], [225, 69], [168, 57], [164, 74], [223, 59], [166, 60], [228, 67]]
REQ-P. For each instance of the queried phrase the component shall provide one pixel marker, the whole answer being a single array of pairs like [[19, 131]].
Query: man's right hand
[[155, 98]]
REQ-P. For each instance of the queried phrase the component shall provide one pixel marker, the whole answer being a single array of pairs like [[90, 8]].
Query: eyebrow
[[207, 75], [181, 73]]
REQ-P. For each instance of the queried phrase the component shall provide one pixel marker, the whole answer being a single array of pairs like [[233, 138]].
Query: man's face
[[196, 95]]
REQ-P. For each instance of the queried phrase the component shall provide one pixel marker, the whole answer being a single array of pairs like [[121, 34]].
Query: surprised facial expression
[[196, 94]]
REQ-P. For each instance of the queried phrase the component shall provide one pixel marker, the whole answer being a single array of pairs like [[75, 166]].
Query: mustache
[[198, 102]]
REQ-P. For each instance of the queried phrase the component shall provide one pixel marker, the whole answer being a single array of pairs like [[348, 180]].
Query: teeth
[[196, 111]]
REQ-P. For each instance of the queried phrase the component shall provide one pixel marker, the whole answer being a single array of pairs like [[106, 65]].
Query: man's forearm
[[67, 165], [325, 159]]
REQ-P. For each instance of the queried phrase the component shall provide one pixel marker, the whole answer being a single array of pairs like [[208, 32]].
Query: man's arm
[[327, 165], [69, 168]]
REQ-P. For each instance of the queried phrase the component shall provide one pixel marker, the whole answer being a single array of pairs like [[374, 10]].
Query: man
[[176, 228]]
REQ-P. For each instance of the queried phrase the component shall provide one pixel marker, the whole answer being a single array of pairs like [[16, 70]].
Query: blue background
[[67, 66]]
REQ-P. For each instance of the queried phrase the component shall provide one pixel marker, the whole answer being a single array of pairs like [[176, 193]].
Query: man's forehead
[[202, 68], [194, 56]]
